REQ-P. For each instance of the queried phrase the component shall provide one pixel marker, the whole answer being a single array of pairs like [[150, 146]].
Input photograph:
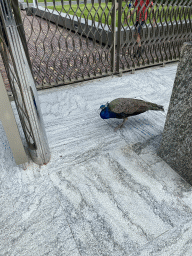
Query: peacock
[[122, 108]]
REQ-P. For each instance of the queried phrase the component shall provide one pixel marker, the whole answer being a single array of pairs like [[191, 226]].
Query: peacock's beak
[[102, 107]]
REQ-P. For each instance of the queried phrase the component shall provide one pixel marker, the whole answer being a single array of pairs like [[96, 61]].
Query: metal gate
[[71, 41], [13, 51]]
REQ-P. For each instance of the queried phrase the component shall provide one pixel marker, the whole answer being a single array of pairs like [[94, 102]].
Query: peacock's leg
[[120, 125]]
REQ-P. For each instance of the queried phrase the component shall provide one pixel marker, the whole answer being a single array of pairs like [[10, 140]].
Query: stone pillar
[[176, 145]]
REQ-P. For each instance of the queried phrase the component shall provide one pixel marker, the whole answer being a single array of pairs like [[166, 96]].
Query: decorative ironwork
[[67, 47], [70, 41], [166, 25]]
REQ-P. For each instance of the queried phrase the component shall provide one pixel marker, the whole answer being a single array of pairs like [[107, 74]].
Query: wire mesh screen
[[69, 41]]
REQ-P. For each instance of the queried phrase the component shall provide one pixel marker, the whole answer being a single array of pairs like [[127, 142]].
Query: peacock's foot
[[121, 125], [118, 127]]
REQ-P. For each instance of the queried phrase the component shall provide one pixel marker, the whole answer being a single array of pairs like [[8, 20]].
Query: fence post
[[113, 28], [34, 3], [119, 34]]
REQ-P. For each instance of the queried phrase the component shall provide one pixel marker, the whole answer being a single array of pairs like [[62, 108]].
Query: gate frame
[[10, 126]]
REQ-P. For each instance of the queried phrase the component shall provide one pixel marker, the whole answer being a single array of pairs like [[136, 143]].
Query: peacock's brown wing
[[128, 106]]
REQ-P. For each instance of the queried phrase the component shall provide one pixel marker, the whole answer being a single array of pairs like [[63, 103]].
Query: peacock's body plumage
[[122, 108]]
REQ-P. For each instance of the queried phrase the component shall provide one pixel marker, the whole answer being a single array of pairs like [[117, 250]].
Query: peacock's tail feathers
[[153, 106]]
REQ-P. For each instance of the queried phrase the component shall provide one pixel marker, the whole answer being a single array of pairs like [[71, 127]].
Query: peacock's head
[[104, 106], [104, 111]]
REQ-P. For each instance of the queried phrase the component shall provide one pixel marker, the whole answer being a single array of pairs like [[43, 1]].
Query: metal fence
[[70, 41]]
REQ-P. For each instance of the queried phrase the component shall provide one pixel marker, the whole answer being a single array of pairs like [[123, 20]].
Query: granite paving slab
[[103, 192], [175, 242], [114, 205], [32, 219]]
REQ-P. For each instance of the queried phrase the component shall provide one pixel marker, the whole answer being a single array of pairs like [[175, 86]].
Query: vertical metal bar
[[18, 20], [113, 26], [119, 35], [34, 3], [9, 124]]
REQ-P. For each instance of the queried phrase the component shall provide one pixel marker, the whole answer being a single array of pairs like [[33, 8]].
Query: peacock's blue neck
[[106, 114]]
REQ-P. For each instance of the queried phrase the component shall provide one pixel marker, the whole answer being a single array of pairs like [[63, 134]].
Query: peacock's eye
[[102, 106]]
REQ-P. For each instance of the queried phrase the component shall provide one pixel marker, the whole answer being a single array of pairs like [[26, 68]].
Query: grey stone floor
[[103, 192]]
